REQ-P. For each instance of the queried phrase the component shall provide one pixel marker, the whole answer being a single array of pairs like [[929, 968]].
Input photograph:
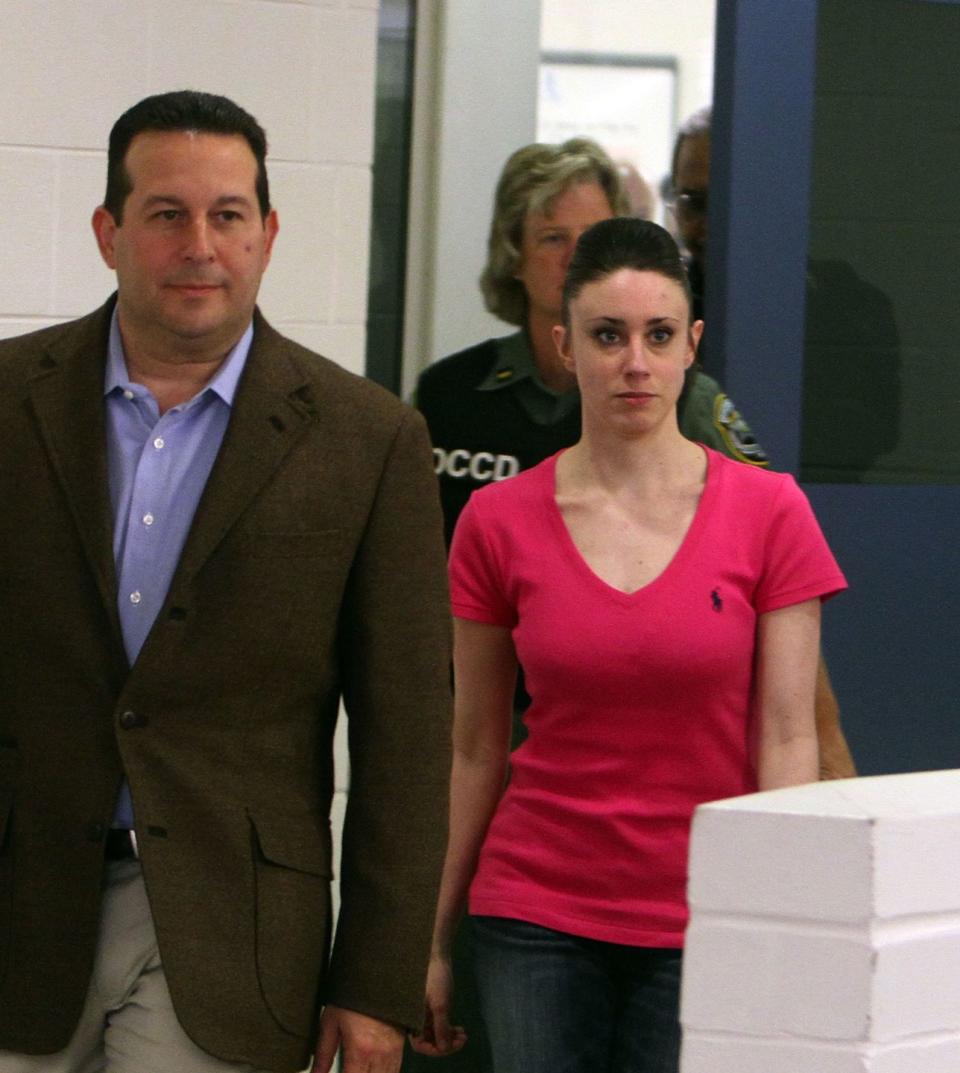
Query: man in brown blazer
[[208, 537]]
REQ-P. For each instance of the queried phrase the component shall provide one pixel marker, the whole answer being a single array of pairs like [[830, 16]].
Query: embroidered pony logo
[[716, 600]]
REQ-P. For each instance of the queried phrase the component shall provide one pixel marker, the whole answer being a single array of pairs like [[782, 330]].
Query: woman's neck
[[551, 370], [643, 465]]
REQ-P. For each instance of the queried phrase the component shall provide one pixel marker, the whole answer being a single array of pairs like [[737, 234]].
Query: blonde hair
[[532, 179]]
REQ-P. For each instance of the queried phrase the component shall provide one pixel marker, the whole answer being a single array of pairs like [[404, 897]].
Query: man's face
[[192, 247], [690, 182]]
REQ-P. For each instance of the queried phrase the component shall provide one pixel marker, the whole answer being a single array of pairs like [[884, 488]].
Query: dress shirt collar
[[224, 382]]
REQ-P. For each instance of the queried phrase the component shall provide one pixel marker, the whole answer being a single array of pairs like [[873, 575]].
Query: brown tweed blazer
[[314, 570]]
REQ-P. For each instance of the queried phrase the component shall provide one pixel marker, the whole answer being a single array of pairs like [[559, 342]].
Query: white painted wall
[[304, 68], [476, 102], [68, 68], [825, 930], [680, 28], [635, 122]]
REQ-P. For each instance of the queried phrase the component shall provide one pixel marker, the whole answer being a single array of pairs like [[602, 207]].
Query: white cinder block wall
[[825, 930], [304, 68]]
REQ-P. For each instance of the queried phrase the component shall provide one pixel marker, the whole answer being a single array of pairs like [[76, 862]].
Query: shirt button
[[135, 597], [158, 443], [148, 519], [128, 394], [130, 720]]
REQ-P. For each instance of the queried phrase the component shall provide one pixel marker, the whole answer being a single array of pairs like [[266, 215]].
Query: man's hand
[[369, 1045]]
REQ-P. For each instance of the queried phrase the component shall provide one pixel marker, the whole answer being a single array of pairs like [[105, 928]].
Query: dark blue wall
[[893, 642]]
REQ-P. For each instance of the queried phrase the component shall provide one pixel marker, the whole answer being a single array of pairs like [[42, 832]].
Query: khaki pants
[[128, 1024]]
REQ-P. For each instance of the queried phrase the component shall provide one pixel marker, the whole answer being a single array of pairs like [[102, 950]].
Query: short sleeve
[[477, 586], [798, 564]]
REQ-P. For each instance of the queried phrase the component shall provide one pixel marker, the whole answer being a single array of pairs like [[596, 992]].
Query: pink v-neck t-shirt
[[641, 702]]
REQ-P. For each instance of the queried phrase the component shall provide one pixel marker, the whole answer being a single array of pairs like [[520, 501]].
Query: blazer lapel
[[66, 393], [272, 409]]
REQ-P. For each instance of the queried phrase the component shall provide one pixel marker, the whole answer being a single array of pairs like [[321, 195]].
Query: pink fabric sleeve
[[798, 564], [477, 590]]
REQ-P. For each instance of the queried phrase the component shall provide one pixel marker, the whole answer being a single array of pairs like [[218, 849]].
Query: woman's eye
[[606, 336], [661, 335]]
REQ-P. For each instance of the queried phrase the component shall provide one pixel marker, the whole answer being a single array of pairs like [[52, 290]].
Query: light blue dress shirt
[[158, 467]]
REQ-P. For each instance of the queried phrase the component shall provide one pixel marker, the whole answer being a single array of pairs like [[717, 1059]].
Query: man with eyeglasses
[[690, 178]]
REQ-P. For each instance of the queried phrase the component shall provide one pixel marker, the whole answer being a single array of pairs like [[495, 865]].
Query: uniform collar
[[514, 363]]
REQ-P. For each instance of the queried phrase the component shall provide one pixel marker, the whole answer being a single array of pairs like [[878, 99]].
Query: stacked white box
[[825, 930]]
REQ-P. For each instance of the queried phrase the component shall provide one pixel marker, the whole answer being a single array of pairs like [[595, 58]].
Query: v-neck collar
[[686, 549]]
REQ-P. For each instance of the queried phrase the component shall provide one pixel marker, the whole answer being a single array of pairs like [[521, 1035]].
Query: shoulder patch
[[736, 433]]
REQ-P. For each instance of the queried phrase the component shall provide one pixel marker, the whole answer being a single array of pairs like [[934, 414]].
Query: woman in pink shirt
[[664, 602]]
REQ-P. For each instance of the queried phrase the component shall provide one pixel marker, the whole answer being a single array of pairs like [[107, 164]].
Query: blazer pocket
[[298, 842], [293, 916], [268, 544]]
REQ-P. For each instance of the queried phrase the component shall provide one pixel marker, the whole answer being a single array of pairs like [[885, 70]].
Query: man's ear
[[561, 340], [104, 230], [271, 225]]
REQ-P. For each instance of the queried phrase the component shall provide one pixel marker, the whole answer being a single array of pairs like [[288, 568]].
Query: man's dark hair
[[694, 126], [181, 110], [622, 242]]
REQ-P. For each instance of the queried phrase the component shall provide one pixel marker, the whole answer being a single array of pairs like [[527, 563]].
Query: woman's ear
[[561, 340], [696, 332]]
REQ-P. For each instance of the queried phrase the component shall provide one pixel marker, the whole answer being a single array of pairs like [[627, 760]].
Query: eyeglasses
[[690, 205]]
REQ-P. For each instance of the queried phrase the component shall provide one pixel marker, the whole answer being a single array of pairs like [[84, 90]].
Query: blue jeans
[[557, 1003]]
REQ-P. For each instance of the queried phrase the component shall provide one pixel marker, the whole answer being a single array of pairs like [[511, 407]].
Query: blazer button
[[130, 720]]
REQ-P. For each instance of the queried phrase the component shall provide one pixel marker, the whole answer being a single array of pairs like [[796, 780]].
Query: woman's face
[[548, 241], [629, 343]]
